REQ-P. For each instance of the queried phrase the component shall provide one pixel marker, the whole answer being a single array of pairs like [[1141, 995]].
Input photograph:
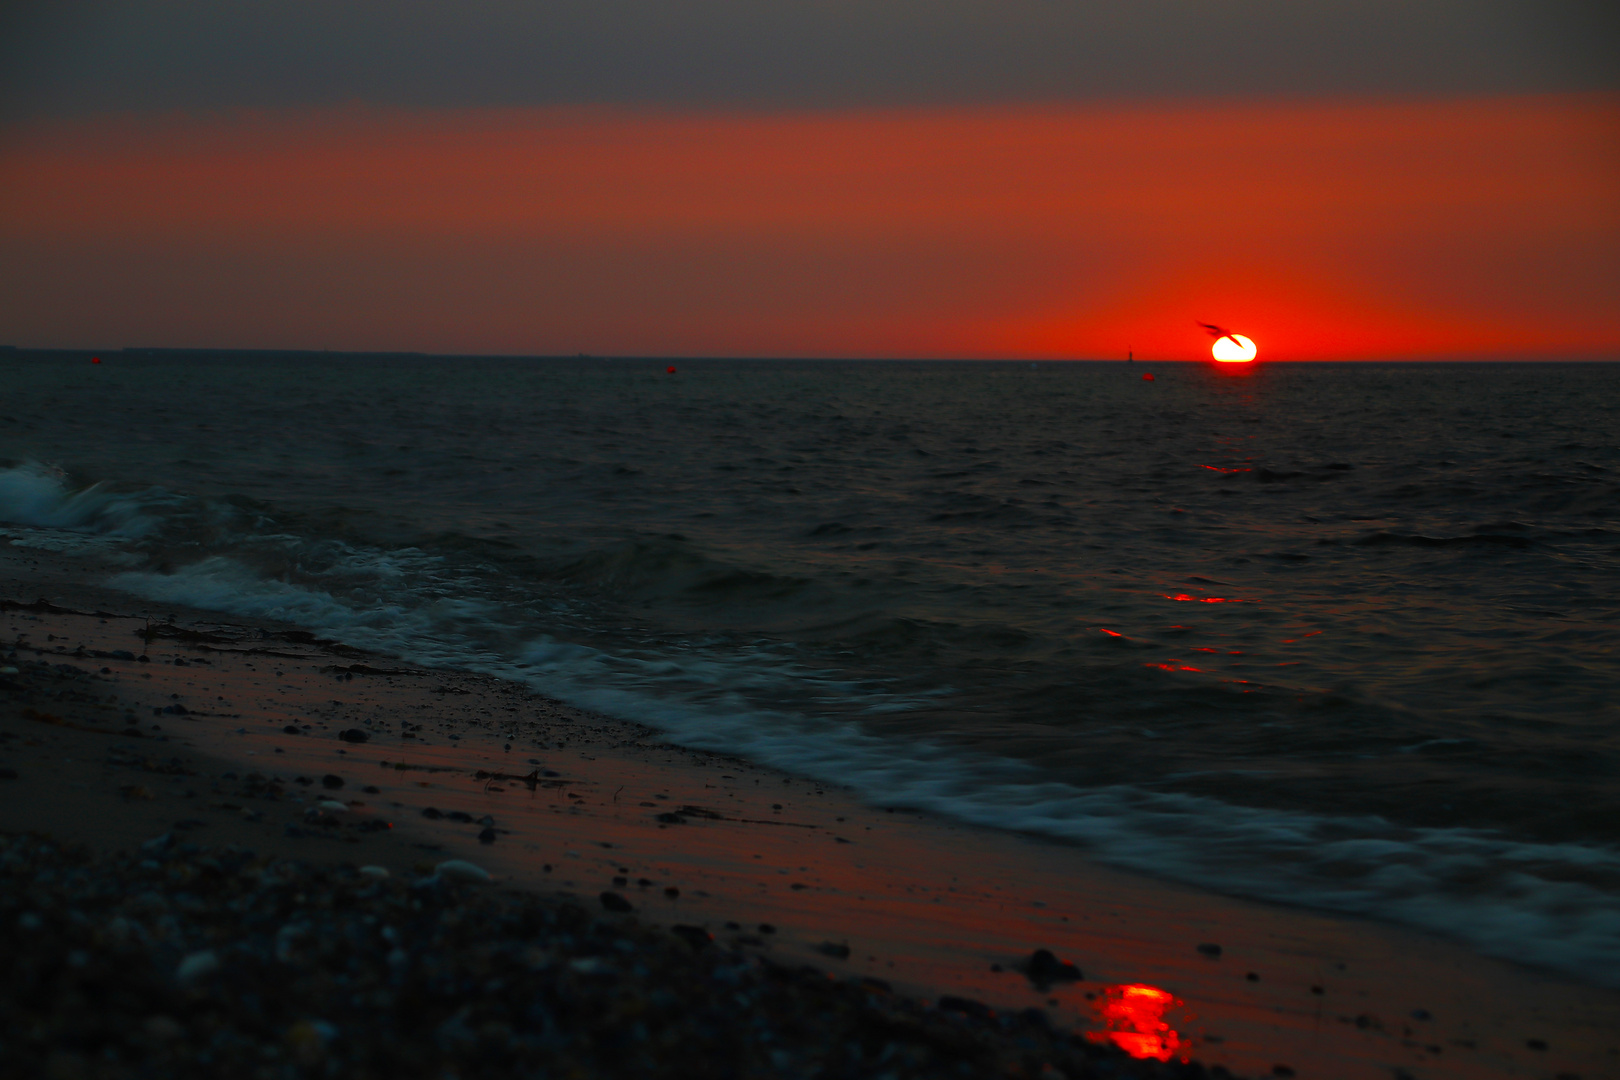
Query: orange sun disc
[[1233, 349]]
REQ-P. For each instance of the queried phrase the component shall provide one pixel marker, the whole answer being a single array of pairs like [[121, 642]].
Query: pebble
[[1043, 967], [462, 870], [197, 965], [163, 1027], [378, 872]]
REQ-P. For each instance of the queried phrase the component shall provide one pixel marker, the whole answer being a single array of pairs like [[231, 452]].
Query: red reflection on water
[[1173, 666], [1217, 468], [1133, 1018], [1206, 599], [1110, 633]]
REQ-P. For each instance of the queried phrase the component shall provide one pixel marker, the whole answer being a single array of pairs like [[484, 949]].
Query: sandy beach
[[123, 725]]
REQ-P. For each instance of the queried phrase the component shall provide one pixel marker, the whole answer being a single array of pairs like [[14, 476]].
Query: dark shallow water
[[1337, 634]]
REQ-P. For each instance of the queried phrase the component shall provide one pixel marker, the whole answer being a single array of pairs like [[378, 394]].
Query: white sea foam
[[1545, 904], [39, 495]]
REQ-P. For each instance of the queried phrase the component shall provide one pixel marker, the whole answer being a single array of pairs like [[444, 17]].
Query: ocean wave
[[40, 495], [1551, 905]]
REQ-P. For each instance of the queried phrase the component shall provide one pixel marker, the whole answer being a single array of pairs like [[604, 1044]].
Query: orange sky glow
[[1485, 227]]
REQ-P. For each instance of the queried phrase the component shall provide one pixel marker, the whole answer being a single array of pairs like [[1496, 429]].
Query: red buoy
[[1148, 377], [95, 359], [672, 369]]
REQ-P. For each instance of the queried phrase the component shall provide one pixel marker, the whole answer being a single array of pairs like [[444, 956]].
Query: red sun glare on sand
[[1133, 1019]]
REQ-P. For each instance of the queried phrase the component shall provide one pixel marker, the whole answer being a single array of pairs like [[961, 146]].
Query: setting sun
[[1233, 349]]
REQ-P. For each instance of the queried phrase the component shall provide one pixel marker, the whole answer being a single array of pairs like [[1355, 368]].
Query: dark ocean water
[[1342, 635]]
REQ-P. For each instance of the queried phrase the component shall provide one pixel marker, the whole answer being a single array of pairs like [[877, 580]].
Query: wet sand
[[571, 804]]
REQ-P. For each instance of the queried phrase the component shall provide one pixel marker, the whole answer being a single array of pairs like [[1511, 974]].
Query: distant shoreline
[[204, 352]]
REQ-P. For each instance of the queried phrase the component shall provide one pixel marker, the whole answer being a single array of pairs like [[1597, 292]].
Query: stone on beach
[[197, 965], [1043, 967], [462, 870]]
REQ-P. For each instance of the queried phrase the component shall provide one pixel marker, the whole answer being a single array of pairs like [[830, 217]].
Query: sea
[[1336, 635]]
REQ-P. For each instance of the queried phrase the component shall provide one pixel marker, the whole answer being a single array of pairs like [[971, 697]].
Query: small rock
[[1422, 1014], [695, 936], [198, 965], [1210, 949], [378, 872], [431, 813], [834, 950], [353, 735], [1282, 1070], [1043, 967], [331, 780], [461, 870], [158, 845], [291, 729], [966, 1006], [332, 806], [487, 836], [614, 902], [8, 774], [163, 1027]]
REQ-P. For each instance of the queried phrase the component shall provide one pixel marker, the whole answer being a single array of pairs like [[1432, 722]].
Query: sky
[[1381, 179]]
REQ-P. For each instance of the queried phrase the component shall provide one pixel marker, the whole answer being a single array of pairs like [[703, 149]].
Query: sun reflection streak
[[1133, 1019]]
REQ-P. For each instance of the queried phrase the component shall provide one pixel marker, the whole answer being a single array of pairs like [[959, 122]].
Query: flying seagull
[[1217, 331]]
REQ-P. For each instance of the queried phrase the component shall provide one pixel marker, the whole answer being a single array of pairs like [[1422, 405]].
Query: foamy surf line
[[1548, 905]]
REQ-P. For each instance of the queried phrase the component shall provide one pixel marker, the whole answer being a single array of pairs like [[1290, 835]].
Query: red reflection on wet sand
[[1133, 1018]]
